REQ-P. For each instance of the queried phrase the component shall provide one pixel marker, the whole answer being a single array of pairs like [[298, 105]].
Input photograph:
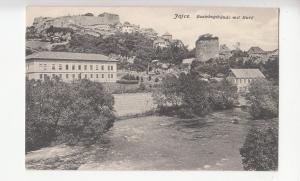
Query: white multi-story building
[[71, 66]]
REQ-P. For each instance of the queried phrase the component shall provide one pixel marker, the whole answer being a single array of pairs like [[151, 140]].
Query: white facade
[[242, 78], [69, 70]]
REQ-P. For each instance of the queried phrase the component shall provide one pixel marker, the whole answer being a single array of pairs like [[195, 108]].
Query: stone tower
[[207, 47]]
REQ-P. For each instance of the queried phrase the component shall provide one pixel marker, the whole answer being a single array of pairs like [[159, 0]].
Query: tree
[[223, 95], [260, 149], [190, 95], [168, 92], [88, 14], [271, 69], [264, 99], [66, 113]]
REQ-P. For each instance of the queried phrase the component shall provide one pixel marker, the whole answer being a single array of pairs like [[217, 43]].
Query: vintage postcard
[[152, 88]]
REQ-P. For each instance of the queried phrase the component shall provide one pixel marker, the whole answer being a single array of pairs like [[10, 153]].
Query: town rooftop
[[247, 73], [69, 56]]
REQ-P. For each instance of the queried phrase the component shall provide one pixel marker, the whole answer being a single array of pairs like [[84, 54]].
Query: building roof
[[255, 50], [247, 73], [224, 48], [70, 56], [188, 60], [167, 34]]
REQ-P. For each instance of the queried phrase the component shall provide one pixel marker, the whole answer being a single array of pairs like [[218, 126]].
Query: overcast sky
[[261, 31]]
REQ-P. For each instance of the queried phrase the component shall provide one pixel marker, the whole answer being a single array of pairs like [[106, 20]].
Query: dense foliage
[[271, 70], [130, 77], [190, 95], [127, 45], [238, 60], [66, 112], [260, 149], [264, 99]]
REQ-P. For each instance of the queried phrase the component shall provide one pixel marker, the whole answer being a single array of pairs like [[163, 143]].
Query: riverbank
[[156, 143]]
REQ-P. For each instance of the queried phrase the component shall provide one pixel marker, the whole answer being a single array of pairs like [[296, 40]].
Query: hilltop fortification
[[207, 46], [41, 23]]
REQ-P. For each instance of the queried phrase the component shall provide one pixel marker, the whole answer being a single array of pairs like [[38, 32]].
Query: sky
[[261, 30]]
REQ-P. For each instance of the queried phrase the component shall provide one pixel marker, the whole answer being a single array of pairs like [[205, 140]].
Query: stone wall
[[207, 48], [66, 21]]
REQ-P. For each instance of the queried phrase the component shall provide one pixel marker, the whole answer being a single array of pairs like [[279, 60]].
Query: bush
[[264, 99], [129, 77], [127, 81], [194, 96], [260, 149], [142, 87], [66, 113], [223, 95]]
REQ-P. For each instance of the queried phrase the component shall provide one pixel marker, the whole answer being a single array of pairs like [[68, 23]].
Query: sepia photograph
[[151, 88]]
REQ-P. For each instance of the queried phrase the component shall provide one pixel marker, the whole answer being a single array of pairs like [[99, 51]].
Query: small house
[[243, 77]]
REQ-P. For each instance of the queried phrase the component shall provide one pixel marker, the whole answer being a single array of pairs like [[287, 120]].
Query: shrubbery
[[190, 95], [260, 149], [264, 99], [66, 113], [130, 77], [123, 81]]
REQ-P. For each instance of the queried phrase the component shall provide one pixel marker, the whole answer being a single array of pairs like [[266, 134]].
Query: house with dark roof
[[255, 50], [71, 66], [243, 77]]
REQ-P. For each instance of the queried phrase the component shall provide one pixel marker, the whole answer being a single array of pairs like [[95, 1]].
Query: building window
[[102, 75], [45, 75], [102, 67], [53, 75], [97, 76], [91, 67], [97, 68], [67, 76], [111, 76], [73, 76], [67, 67], [53, 66], [60, 67], [41, 76], [45, 66], [60, 75], [112, 67], [108, 67], [91, 75], [73, 67], [85, 67], [79, 67], [79, 76], [85, 76]]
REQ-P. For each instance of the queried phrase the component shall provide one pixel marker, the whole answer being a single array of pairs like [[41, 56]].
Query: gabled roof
[[255, 50], [166, 34], [69, 56], [247, 73]]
